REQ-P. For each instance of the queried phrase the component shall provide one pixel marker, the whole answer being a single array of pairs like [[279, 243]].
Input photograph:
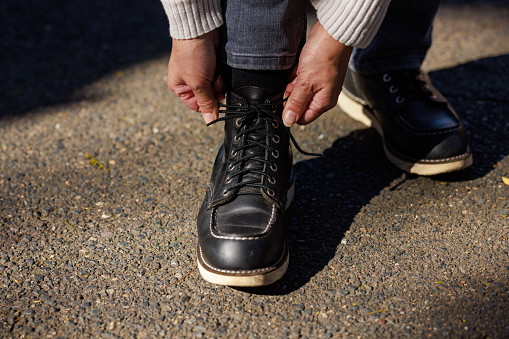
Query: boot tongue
[[255, 96], [258, 137]]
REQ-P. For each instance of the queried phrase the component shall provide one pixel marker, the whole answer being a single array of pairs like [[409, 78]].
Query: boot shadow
[[331, 190]]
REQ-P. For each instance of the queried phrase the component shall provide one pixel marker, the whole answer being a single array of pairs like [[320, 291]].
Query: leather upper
[[240, 223], [417, 121]]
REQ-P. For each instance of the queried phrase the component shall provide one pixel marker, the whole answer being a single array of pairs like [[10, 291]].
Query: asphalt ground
[[102, 171]]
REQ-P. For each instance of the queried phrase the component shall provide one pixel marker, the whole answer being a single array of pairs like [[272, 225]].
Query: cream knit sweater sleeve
[[191, 18], [352, 22]]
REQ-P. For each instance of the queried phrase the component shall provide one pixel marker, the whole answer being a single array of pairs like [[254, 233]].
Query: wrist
[[212, 36]]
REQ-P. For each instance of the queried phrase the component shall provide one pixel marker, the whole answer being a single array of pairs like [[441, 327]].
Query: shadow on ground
[[478, 92], [52, 48], [331, 190], [481, 313]]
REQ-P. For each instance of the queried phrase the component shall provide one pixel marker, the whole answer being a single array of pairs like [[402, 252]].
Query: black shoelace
[[245, 115]]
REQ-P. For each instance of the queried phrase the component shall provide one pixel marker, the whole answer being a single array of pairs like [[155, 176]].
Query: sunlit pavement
[[102, 171]]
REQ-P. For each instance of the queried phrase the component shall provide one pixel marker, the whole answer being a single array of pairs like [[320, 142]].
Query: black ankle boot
[[240, 223], [421, 132]]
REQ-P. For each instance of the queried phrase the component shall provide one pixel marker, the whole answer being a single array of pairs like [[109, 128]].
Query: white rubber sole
[[356, 111], [249, 278]]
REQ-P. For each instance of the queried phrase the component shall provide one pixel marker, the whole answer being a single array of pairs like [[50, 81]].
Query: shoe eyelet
[[393, 89], [236, 138], [276, 139], [231, 167], [433, 96], [228, 180], [270, 192], [386, 77], [272, 180], [225, 192], [275, 153], [273, 167], [400, 100], [275, 123], [234, 153], [237, 122]]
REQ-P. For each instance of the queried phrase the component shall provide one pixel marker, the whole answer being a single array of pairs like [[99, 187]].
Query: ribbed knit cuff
[[191, 18], [353, 23]]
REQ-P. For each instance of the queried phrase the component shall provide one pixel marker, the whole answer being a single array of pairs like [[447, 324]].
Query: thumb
[[207, 104], [297, 103]]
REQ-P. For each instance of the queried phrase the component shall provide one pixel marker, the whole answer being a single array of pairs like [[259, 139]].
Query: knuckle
[[297, 101], [305, 84], [172, 84], [205, 102]]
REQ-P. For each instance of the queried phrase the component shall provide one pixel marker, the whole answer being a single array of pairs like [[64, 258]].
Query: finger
[[186, 95], [308, 117], [191, 103], [207, 103], [297, 103], [318, 105]]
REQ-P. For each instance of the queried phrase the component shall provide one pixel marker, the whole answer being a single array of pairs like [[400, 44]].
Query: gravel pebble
[[87, 252]]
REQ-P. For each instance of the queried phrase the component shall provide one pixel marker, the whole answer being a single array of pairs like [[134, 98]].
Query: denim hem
[[258, 62]]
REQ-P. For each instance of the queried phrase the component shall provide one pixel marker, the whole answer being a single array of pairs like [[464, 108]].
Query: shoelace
[[245, 114]]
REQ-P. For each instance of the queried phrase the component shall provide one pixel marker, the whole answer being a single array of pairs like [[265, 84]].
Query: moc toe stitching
[[263, 234], [412, 130], [428, 132]]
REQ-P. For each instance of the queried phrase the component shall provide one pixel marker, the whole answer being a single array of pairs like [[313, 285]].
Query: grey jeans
[[269, 34]]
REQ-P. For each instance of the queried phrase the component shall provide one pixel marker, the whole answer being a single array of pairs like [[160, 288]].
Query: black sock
[[272, 80]]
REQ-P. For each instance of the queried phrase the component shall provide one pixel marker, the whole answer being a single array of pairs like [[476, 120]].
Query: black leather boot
[[240, 223], [421, 132]]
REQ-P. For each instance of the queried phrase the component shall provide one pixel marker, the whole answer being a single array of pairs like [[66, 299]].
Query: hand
[[318, 78], [193, 75]]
